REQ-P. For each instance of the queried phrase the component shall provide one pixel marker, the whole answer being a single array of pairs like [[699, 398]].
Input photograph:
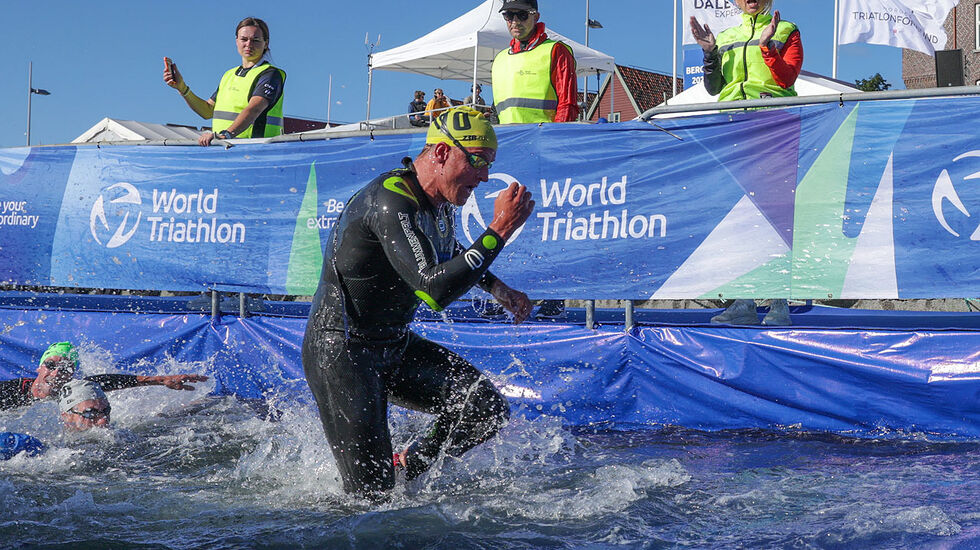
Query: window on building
[[614, 117], [976, 19]]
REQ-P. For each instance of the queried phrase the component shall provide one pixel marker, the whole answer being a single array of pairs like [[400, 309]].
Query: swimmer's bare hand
[[176, 381], [511, 209], [514, 301]]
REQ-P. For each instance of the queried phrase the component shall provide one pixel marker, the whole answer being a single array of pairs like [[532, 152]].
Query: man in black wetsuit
[[393, 247], [57, 367]]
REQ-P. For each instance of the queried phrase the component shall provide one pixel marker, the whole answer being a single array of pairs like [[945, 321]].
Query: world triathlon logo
[[474, 224], [946, 190], [125, 200]]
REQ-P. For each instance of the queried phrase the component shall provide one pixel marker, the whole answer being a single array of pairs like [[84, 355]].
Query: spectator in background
[[534, 81], [437, 105], [475, 100], [738, 67], [416, 109], [248, 101]]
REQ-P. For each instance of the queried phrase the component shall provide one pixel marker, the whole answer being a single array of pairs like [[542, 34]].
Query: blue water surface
[[182, 470]]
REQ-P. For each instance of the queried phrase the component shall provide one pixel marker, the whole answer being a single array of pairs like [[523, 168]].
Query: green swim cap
[[61, 349]]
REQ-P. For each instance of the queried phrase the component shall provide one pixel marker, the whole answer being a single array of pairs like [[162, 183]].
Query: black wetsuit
[[17, 392], [390, 249]]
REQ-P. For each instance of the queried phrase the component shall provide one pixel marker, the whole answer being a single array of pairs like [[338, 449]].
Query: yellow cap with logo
[[463, 126]]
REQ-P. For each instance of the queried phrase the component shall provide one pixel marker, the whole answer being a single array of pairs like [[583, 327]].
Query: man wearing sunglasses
[[393, 248], [57, 367], [84, 405], [534, 79]]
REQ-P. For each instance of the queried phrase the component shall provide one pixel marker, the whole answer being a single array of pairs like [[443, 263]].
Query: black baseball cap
[[520, 5]]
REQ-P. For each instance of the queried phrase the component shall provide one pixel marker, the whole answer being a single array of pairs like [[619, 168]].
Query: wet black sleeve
[[485, 282], [111, 382], [413, 255], [13, 394]]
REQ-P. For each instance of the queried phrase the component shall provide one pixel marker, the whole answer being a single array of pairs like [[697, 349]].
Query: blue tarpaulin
[[843, 371]]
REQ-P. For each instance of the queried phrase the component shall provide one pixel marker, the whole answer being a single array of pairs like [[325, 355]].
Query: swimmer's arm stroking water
[[111, 382]]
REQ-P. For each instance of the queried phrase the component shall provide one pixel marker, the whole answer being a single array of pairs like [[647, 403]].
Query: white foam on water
[[872, 519]]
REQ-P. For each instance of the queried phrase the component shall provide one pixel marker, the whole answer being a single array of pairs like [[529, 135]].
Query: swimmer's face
[[465, 178], [88, 414], [52, 375]]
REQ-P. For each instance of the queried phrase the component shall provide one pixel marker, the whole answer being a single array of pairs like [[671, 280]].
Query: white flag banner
[[717, 14], [911, 24]]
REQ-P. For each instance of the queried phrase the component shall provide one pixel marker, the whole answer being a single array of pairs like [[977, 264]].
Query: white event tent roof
[[473, 39]]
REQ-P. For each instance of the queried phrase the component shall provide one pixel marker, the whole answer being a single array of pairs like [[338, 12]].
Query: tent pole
[[833, 72], [585, 79], [476, 63], [368, 116], [612, 91], [673, 74]]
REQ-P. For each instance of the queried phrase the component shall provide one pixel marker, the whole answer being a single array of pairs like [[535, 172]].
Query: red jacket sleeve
[[565, 83], [785, 64]]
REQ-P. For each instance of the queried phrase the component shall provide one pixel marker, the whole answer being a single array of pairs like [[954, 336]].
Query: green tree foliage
[[876, 83]]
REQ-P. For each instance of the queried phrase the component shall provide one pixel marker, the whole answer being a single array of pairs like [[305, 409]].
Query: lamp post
[[31, 90], [589, 24]]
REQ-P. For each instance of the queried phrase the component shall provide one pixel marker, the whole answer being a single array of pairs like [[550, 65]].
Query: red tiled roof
[[647, 88]]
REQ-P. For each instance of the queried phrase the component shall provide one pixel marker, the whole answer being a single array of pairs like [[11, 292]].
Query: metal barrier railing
[[840, 98]]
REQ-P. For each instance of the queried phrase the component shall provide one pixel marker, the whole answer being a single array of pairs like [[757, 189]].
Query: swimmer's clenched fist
[[511, 209]]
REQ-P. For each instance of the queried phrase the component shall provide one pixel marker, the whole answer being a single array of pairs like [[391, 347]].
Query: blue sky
[[104, 58]]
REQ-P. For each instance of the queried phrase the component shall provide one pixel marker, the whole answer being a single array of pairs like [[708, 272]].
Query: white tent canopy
[[473, 39], [807, 84], [110, 129]]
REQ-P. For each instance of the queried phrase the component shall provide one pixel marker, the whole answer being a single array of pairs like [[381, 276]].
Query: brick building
[[963, 31]]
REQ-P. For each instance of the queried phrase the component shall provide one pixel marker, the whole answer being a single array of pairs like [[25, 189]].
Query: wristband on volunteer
[[186, 91]]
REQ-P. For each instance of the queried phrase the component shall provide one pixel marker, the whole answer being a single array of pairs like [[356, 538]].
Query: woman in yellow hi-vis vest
[[248, 101]]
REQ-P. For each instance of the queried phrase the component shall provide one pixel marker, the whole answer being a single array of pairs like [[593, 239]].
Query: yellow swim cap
[[464, 124]]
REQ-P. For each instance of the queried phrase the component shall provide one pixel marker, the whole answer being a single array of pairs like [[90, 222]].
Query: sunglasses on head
[[519, 15], [475, 160], [92, 413]]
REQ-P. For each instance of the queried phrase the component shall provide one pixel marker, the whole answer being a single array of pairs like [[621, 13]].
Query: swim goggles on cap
[[475, 160]]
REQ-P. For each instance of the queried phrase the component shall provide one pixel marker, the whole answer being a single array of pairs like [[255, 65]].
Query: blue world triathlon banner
[[871, 200]]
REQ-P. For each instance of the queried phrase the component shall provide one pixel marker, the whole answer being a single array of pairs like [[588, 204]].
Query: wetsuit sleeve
[[565, 83], [111, 382], [714, 80], [413, 255], [785, 63], [485, 282], [14, 393]]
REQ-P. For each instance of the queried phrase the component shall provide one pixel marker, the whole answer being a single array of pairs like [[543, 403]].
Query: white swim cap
[[77, 391]]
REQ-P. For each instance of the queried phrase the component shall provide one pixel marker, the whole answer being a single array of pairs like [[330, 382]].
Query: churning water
[[180, 471]]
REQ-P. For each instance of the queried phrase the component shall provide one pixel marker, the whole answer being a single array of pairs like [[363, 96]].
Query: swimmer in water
[[392, 248], [84, 406], [57, 367]]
